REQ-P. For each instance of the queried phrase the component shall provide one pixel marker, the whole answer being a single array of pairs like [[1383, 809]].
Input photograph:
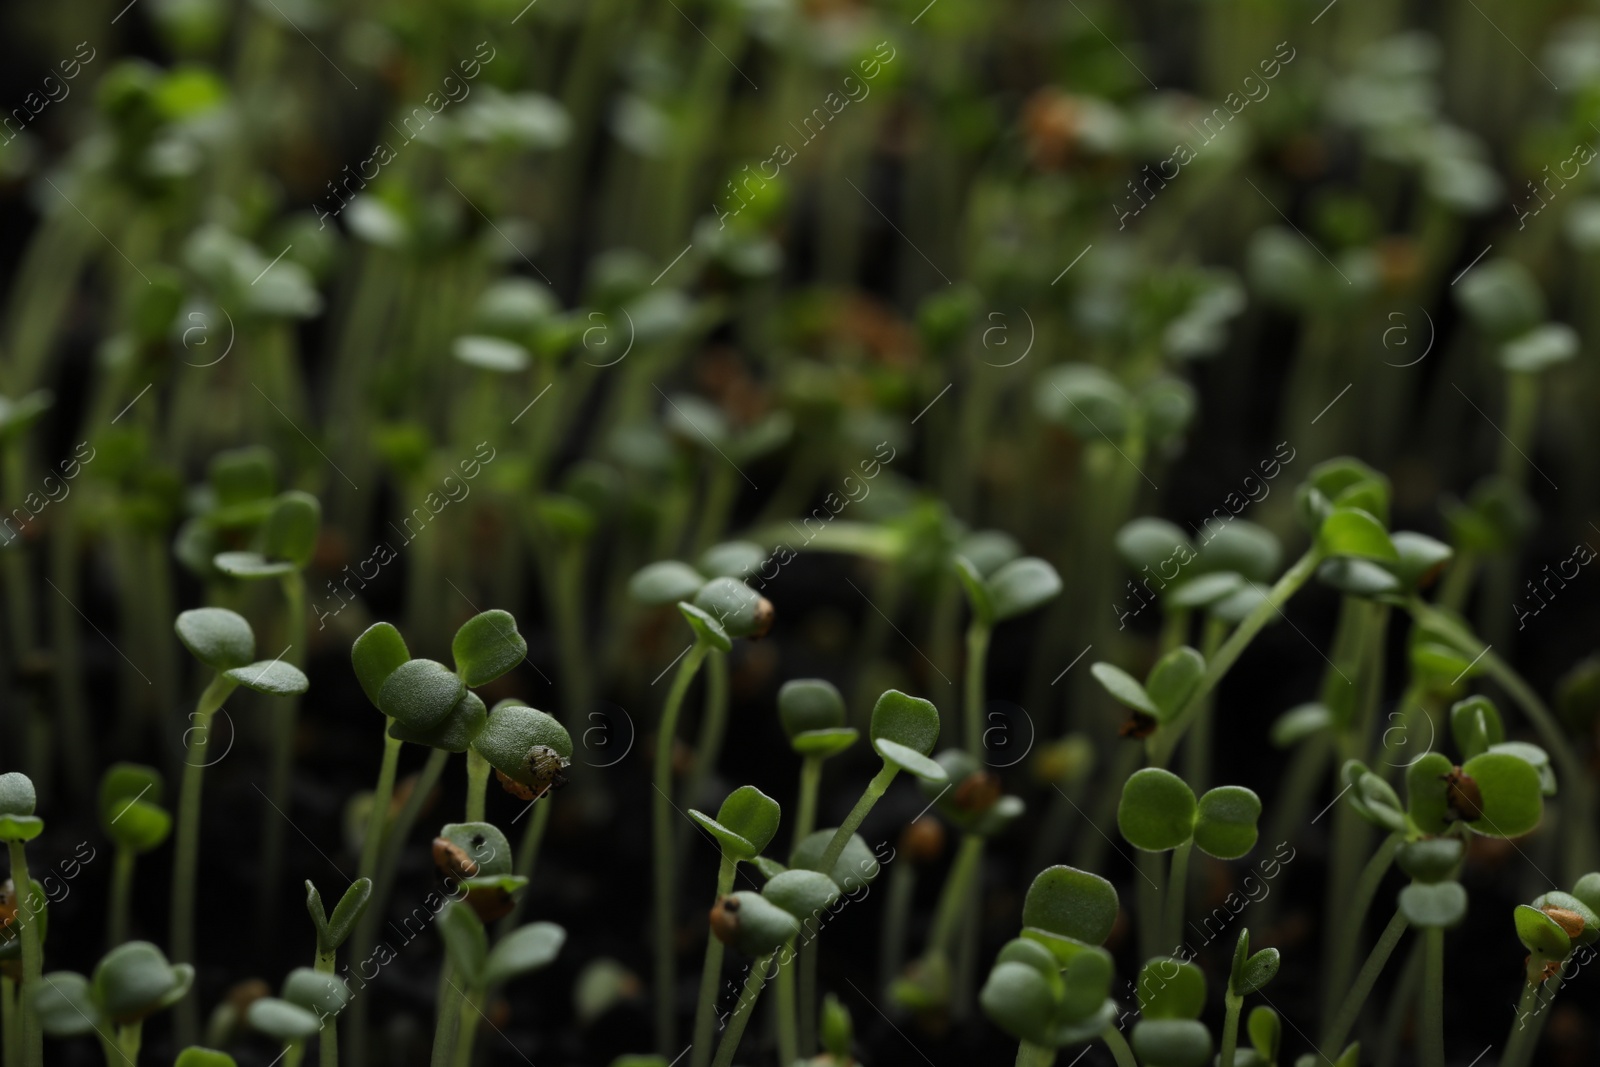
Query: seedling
[[308, 1005], [523, 951], [18, 825], [1050, 987], [1014, 588], [131, 815], [1552, 928], [1249, 974], [130, 983], [745, 824], [331, 933], [223, 641]]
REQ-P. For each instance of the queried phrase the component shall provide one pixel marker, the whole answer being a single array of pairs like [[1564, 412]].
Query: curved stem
[[741, 1014], [1119, 1048], [977, 655], [841, 837], [372, 839], [664, 843], [957, 885], [1230, 1029], [1524, 1038], [710, 976], [1177, 887], [121, 890], [1359, 991], [1162, 743], [1355, 913], [186, 851], [477, 785], [1430, 1031]]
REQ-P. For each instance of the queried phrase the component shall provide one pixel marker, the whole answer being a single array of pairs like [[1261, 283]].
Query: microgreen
[[132, 816], [1013, 588], [18, 824], [130, 983]]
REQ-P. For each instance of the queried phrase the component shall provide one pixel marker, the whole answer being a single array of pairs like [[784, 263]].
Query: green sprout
[[1249, 974], [307, 1006], [525, 950], [1014, 588], [18, 825], [1551, 928], [223, 641], [332, 931], [132, 816], [130, 983]]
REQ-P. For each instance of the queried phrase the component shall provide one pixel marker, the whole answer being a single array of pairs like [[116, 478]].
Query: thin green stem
[[1230, 1028], [1031, 1055], [1119, 1048], [713, 727], [447, 1017], [31, 1045], [665, 1000], [710, 976], [1335, 1036], [466, 1028], [285, 712], [869, 796], [186, 852], [977, 655], [788, 1035], [328, 1036], [477, 785], [121, 892], [9, 1037], [1532, 1008], [527, 857], [806, 806], [1177, 888], [293, 1054], [1355, 914], [1161, 744], [1151, 891], [372, 839], [741, 1014], [957, 885], [1431, 1026]]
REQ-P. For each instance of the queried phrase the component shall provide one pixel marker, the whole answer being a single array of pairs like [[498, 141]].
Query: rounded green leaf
[[1257, 971], [1157, 811], [972, 584], [762, 925], [508, 739], [1085, 980], [490, 353], [745, 823], [523, 951], [824, 743], [273, 677], [454, 733], [487, 646], [910, 760], [1266, 1032], [195, 1056], [801, 893], [20, 827], [1022, 585], [1541, 934], [317, 992], [1513, 799], [1067, 902], [282, 1021], [1475, 725], [420, 693], [1587, 889], [1433, 904], [707, 630], [905, 720], [809, 704], [137, 825], [666, 582], [1242, 548], [1171, 989], [730, 559], [1431, 859], [1575, 904], [838, 1035], [734, 605], [1171, 1043], [1149, 542], [1374, 798], [135, 980], [217, 637], [290, 532], [1226, 827], [17, 795], [856, 865], [375, 655], [65, 1006], [1535, 757], [1125, 688], [1019, 1000], [1174, 677], [251, 566], [1035, 955], [1541, 347], [483, 844], [1299, 723], [1420, 556], [1354, 532], [1357, 577], [1206, 589], [1427, 796]]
